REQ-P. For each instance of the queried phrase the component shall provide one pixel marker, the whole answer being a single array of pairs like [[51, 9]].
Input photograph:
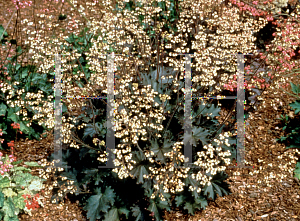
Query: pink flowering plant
[[18, 188], [281, 52]]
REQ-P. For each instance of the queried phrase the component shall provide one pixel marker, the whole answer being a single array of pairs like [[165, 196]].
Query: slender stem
[[8, 23], [96, 129], [216, 132], [11, 44], [83, 144], [203, 109], [17, 37], [256, 99], [137, 143], [3, 97], [83, 71], [177, 106]]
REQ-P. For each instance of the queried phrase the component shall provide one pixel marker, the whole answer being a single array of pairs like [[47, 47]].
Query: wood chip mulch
[[251, 199]]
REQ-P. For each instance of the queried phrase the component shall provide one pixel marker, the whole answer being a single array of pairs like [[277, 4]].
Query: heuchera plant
[[18, 188]]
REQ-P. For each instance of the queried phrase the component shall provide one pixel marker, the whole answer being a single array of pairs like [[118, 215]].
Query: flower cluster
[[21, 3], [15, 125], [281, 3], [6, 163], [49, 174], [31, 203]]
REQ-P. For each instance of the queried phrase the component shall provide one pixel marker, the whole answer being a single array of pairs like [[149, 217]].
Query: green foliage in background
[[28, 79], [291, 128]]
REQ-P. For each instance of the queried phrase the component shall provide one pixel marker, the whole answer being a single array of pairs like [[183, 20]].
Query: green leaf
[[99, 202], [1, 199], [24, 128], [191, 207], [19, 49], [136, 212], [190, 181], [162, 5], [211, 111], [21, 169], [293, 146], [179, 200], [215, 186], [36, 136], [153, 208], [139, 170], [297, 171], [64, 108], [89, 130], [9, 207], [208, 190], [23, 179], [17, 162], [4, 182], [160, 150], [202, 201], [124, 211], [112, 215], [3, 109], [218, 189], [11, 115], [201, 134], [36, 78], [295, 88], [32, 164], [36, 185], [13, 218], [198, 133], [19, 203], [296, 105], [5, 35], [283, 138], [8, 192], [27, 86], [18, 66], [24, 73]]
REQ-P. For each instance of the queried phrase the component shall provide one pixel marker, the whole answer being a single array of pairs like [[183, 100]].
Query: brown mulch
[[252, 199], [37, 151], [280, 201]]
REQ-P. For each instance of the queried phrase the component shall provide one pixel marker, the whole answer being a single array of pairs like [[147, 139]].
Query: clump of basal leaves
[[107, 197], [291, 126], [16, 184]]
